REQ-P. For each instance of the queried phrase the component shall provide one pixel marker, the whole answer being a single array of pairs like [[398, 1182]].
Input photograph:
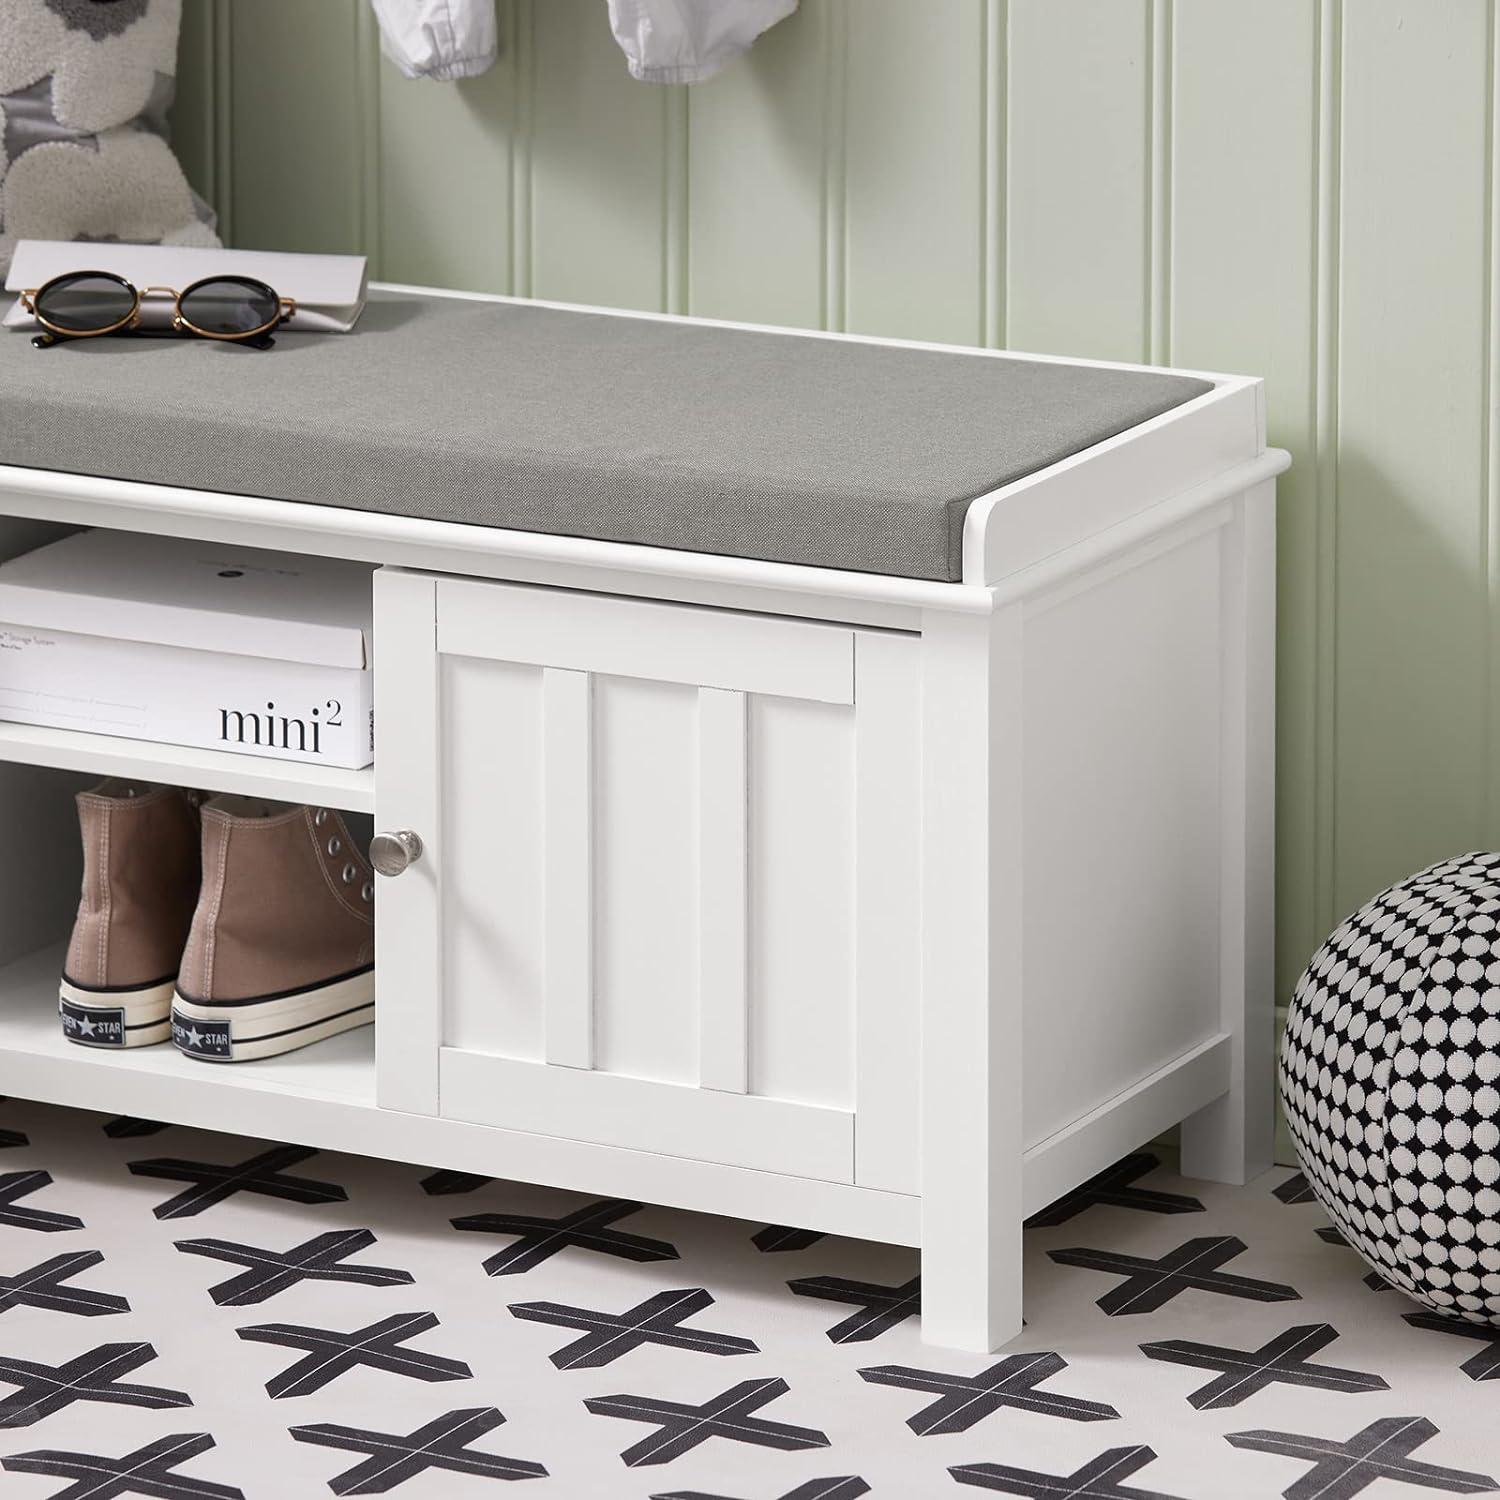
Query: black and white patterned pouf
[[1390, 1077]]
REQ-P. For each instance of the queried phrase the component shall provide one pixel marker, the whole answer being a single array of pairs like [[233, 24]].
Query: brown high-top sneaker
[[282, 947], [140, 884]]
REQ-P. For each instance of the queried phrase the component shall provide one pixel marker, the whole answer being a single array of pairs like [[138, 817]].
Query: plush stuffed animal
[[84, 91]]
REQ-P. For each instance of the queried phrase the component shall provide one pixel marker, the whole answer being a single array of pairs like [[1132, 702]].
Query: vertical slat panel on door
[[1078, 173], [722, 855], [1412, 626], [567, 862], [887, 893], [408, 910], [1244, 298]]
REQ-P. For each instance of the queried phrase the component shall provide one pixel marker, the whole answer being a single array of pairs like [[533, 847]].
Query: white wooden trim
[[973, 1036], [767, 1135], [631, 638], [1103, 486], [1233, 1139], [567, 783], [1144, 527], [1093, 1142], [723, 958], [187, 765], [408, 908], [324, 1096], [887, 889]]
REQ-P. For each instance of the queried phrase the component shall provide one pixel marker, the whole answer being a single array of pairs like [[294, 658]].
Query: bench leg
[[1233, 1139], [971, 982]]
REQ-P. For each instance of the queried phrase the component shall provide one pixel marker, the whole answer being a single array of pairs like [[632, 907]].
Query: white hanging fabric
[[664, 41], [686, 41], [441, 39]]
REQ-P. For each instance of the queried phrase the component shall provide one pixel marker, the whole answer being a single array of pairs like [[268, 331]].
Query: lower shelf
[[36, 1060], [185, 765]]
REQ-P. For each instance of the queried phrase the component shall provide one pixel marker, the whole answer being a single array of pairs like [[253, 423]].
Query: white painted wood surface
[[1233, 1139], [621, 638], [921, 807], [888, 888], [186, 765], [668, 1119], [723, 896], [567, 864], [975, 1026], [408, 769], [698, 849]]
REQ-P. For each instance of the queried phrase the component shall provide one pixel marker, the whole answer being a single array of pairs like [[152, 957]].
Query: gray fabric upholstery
[[790, 449]]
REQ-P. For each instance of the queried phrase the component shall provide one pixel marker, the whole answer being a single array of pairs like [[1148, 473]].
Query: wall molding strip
[[835, 297], [1159, 201], [1325, 441], [994, 91]]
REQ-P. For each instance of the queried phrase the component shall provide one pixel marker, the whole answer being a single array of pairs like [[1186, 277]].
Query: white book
[[191, 643]]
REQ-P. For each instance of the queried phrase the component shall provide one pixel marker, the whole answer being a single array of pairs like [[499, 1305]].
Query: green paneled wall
[[1296, 189]]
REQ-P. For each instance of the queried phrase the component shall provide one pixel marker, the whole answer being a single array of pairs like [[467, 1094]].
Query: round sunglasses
[[89, 304]]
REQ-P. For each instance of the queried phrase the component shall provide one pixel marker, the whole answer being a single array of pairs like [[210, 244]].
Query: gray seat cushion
[[785, 448]]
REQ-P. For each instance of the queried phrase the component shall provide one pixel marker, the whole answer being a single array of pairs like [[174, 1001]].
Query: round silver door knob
[[391, 853]]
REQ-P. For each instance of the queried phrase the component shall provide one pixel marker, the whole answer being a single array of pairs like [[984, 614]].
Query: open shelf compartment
[[158, 1082]]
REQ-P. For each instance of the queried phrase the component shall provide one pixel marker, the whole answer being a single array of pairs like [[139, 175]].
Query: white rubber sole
[[243, 1030], [116, 1018]]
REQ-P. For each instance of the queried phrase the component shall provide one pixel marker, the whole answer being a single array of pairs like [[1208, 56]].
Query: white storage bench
[[842, 770]]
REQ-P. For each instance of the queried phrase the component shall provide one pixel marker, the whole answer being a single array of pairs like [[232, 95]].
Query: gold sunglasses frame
[[286, 308]]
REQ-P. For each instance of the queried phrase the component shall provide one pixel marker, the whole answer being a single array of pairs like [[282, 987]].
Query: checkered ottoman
[[1390, 1078]]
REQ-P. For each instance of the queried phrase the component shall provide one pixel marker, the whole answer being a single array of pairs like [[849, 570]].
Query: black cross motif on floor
[[151, 1470], [42, 1286], [777, 1237], [271, 1271], [1151, 1284], [840, 1487], [1295, 1189], [1331, 1236], [12, 1137], [125, 1127], [1380, 1451], [681, 1428], [540, 1239], [442, 1443], [880, 1307], [42, 1389], [1113, 1186], [1246, 1371], [1099, 1479], [657, 1320], [440, 1184], [16, 1185], [1485, 1365], [213, 1183], [964, 1400], [330, 1354]]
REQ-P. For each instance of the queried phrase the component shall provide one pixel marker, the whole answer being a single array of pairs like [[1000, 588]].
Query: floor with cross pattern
[[200, 1317]]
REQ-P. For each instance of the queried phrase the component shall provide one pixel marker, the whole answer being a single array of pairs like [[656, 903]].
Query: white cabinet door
[[668, 893]]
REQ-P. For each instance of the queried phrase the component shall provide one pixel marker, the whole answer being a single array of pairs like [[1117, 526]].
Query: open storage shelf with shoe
[[157, 1082], [890, 896]]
